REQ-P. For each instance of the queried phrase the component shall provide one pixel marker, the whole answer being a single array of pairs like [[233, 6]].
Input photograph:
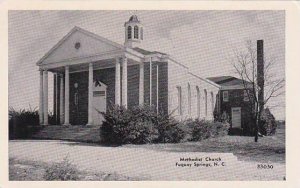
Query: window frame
[[212, 101], [224, 96], [179, 100], [136, 32], [129, 32], [198, 101], [205, 98], [189, 99], [245, 95]]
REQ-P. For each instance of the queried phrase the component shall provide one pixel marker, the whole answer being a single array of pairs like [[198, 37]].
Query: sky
[[205, 41]]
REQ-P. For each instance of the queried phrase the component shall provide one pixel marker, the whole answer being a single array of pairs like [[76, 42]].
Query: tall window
[[212, 101], [189, 99], [198, 101], [129, 32], [179, 100], [225, 96], [205, 99], [136, 32], [141, 31]]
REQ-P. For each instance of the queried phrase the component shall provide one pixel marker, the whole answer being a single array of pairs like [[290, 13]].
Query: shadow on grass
[[262, 152], [89, 144]]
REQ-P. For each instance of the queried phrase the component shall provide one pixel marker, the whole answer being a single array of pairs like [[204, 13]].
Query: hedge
[[141, 125], [25, 122]]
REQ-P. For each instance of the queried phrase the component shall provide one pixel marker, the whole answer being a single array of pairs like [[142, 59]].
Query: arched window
[[205, 99], [212, 101], [129, 32], [189, 99], [198, 101], [136, 32], [141, 31], [179, 96]]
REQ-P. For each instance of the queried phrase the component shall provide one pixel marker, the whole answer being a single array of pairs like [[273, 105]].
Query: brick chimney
[[260, 72]]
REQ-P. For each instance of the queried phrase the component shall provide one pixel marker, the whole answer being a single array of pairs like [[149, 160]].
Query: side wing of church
[[92, 73]]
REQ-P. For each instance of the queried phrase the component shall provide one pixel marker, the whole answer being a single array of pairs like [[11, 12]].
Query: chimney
[[260, 72]]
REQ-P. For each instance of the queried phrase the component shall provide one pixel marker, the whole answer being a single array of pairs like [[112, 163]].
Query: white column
[[118, 83], [45, 98], [41, 114], [55, 96], [141, 85], [124, 82], [150, 67], [90, 103], [61, 100], [157, 88], [67, 85]]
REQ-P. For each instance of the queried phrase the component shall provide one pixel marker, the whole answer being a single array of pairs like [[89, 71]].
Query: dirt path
[[146, 163]]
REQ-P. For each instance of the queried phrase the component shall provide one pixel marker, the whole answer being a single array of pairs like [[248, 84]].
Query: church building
[[91, 73]]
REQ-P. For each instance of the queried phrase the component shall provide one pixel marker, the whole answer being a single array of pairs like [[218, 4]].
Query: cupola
[[133, 32]]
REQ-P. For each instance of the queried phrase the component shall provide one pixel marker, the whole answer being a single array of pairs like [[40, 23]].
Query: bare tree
[[245, 65]]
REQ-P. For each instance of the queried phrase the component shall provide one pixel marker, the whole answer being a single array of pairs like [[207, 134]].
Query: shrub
[[170, 130], [62, 171], [203, 129], [141, 125], [268, 123], [23, 123], [115, 128], [138, 125]]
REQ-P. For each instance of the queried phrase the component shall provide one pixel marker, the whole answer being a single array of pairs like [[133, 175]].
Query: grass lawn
[[267, 149], [24, 170]]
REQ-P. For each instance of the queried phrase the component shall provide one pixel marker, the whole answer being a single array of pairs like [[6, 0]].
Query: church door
[[99, 102]]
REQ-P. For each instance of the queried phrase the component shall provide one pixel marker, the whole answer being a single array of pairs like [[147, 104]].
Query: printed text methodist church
[[91, 73]]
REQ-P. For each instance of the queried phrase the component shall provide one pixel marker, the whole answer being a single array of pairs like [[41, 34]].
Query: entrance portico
[[70, 56]]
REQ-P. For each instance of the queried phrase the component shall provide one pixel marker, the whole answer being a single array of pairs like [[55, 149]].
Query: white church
[[91, 73]]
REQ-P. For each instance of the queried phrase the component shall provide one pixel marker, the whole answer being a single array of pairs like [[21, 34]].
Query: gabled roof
[[134, 18], [221, 79], [229, 82], [76, 28]]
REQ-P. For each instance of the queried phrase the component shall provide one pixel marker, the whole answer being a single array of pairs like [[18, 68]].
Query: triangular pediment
[[99, 86], [79, 43]]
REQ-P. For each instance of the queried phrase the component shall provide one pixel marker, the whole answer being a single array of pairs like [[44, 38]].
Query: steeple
[[133, 32]]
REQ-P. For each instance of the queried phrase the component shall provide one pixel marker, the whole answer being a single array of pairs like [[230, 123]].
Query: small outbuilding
[[234, 102]]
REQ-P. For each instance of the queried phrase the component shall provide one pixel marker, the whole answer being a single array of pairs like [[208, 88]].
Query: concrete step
[[72, 133]]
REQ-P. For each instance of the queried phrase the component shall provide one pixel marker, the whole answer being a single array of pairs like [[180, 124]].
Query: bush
[[62, 171], [23, 123], [170, 131], [141, 125], [268, 123], [203, 129], [138, 125]]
